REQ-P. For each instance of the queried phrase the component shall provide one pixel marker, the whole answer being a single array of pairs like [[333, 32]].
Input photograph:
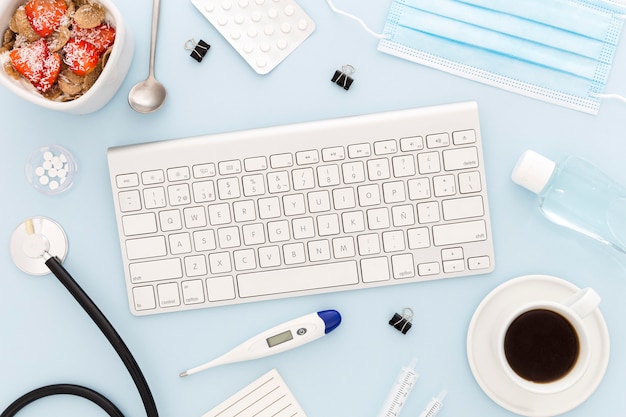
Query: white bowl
[[104, 88]]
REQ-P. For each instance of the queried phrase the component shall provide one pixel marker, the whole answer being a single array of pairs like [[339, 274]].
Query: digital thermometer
[[281, 338]]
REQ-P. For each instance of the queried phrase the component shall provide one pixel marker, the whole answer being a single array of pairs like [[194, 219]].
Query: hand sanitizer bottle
[[576, 194]]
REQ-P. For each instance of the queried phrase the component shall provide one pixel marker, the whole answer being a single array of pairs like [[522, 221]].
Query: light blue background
[[45, 337]]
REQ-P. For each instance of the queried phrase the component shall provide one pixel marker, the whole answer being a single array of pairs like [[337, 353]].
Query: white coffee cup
[[543, 346]]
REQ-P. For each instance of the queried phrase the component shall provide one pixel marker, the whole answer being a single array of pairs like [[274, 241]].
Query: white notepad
[[268, 396]]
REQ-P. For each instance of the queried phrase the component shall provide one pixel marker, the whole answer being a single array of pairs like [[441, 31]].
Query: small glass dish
[[51, 169]]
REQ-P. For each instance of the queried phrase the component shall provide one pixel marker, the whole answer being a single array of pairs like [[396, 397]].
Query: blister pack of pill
[[263, 32]]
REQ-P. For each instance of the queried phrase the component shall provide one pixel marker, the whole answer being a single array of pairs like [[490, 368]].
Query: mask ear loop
[[357, 19], [611, 96]]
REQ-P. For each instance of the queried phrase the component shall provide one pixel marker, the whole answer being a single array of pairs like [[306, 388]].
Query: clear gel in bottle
[[576, 194]]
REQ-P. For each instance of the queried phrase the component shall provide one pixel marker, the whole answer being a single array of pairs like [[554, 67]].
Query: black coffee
[[541, 346]]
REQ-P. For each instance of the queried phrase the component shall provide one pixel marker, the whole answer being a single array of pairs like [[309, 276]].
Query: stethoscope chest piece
[[33, 241]]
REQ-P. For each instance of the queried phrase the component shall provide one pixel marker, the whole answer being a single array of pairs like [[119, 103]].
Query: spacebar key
[[297, 279]]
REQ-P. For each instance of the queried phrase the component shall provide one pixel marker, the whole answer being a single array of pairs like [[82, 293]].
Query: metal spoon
[[149, 95]]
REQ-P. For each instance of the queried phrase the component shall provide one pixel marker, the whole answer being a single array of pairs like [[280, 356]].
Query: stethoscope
[[38, 246]]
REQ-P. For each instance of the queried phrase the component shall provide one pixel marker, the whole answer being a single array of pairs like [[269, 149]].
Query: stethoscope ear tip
[[35, 240]]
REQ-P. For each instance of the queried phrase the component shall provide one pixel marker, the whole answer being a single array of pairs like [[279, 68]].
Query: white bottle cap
[[533, 171]]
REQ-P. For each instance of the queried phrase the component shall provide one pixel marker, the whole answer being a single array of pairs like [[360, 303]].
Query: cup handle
[[583, 302]]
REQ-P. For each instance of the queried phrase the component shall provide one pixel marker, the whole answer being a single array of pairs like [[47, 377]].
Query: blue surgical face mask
[[559, 51]]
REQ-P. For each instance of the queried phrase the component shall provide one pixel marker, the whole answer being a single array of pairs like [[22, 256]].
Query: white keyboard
[[342, 204]]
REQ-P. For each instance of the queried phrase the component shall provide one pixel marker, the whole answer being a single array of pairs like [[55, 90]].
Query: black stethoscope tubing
[[55, 266]]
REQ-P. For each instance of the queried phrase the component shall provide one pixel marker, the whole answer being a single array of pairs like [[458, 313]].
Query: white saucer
[[483, 357]]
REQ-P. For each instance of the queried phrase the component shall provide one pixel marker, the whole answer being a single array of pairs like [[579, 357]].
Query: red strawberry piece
[[102, 36], [45, 15], [81, 56], [37, 64], [52, 68]]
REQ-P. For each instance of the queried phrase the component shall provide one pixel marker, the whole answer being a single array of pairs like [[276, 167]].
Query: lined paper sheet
[[268, 396]]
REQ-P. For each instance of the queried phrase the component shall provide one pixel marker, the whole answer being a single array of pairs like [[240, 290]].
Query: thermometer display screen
[[279, 338]]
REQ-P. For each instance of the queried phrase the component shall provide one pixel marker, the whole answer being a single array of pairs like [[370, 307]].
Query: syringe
[[400, 391], [434, 406]]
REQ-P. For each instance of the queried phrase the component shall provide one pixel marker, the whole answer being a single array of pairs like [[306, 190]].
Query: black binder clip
[[342, 78], [402, 322], [198, 50]]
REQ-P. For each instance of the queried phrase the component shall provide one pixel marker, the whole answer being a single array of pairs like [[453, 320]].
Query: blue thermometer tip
[[331, 319]]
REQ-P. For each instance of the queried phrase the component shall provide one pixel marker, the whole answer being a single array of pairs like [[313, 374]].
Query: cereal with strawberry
[[59, 46]]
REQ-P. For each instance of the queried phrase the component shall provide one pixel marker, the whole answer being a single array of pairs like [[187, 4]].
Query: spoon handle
[[156, 6]]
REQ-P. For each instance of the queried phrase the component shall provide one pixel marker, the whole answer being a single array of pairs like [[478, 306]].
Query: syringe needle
[[400, 391], [434, 406]]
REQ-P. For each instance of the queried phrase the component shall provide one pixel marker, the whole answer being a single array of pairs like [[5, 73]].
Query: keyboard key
[[179, 195], [403, 166], [143, 298], [456, 233], [462, 208], [413, 143], [129, 201], [193, 292], [228, 188], [127, 180], [378, 169], [156, 176], [469, 182], [283, 160], [403, 266], [203, 191], [303, 179], [220, 288], [439, 140], [335, 153], [168, 295], [307, 157], [278, 182], [375, 269], [455, 159], [428, 163], [419, 238], [353, 172], [170, 220], [293, 253], [319, 250], [343, 247], [204, 170], [269, 256], [196, 266], [258, 163], [479, 262], [464, 137], [385, 147], [253, 185], [178, 174], [149, 247], [154, 197], [361, 150], [229, 167], [244, 259], [322, 276], [428, 268], [156, 270], [139, 224], [219, 263]]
